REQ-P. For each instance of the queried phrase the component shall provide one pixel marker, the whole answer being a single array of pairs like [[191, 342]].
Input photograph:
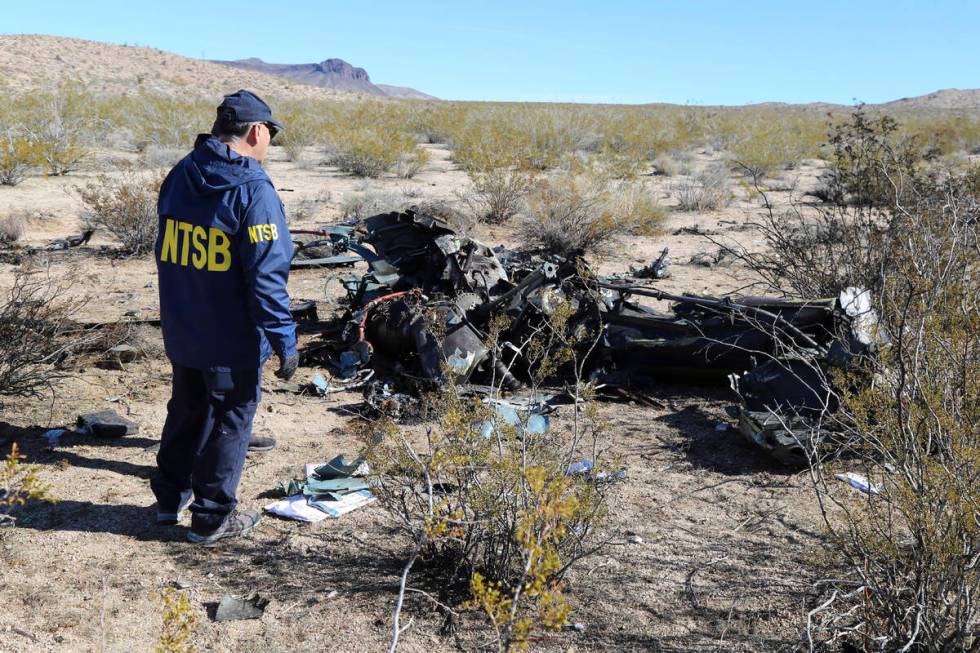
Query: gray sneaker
[[261, 444], [173, 518], [236, 524]]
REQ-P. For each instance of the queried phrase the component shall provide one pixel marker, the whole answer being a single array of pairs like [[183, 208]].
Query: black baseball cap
[[245, 106]]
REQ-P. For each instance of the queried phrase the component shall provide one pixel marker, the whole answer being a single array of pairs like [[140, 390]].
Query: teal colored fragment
[[339, 467]]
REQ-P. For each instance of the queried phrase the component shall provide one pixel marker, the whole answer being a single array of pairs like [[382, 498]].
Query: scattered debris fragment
[[237, 608], [70, 241], [332, 489], [53, 436], [106, 424], [119, 356], [857, 481]]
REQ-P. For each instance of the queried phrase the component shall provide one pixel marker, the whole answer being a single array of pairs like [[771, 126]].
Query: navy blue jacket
[[223, 253]]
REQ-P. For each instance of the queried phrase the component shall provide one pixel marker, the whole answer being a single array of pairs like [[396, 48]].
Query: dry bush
[[36, 334], [412, 163], [161, 156], [904, 560], [571, 214], [709, 190], [11, 229], [303, 130], [370, 151], [637, 211], [767, 146], [872, 164], [494, 519], [18, 154], [305, 209], [125, 206], [58, 138], [910, 553], [498, 194], [666, 165], [362, 205]]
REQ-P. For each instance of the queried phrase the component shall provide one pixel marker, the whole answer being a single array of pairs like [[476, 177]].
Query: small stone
[[182, 584], [634, 539]]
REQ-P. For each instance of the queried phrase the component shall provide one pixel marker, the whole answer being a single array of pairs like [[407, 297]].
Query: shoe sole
[[261, 449], [208, 541]]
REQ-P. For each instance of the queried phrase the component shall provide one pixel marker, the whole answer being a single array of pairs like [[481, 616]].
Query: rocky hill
[[947, 98], [29, 61], [330, 73]]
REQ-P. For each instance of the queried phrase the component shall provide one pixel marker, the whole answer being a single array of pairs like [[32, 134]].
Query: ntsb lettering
[[211, 247]]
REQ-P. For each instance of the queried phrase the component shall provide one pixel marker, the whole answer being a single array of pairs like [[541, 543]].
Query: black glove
[[287, 366]]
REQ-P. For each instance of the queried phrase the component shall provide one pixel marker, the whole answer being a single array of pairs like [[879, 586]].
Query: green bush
[[18, 154]]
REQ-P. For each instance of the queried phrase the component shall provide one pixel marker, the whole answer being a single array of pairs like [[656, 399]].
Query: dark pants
[[204, 442]]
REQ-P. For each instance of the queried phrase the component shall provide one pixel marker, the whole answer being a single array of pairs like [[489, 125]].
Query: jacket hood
[[213, 167]]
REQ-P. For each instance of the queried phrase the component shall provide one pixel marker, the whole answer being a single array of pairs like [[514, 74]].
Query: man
[[223, 253]]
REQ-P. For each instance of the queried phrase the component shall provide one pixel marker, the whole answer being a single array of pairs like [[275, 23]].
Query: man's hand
[[287, 366]]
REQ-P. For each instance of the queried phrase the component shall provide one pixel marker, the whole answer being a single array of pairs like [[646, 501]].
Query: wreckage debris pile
[[431, 297]]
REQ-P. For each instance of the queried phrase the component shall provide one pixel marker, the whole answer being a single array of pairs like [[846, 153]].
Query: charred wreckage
[[435, 303]]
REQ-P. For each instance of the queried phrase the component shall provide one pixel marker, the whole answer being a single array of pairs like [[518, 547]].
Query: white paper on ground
[[348, 502], [296, 507]]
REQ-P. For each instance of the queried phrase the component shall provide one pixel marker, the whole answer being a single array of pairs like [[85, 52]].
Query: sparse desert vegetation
[[706, 545]]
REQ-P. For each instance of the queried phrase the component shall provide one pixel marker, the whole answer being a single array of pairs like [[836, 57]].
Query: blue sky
[[709, 52]]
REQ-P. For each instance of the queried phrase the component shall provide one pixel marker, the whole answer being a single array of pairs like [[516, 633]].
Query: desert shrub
[[666, 165], [36, 334], [11, 228], [494, 519], [307, 208], [903, 557], [370, 151], [20, 483], [498, 194], [125, 206], [909, 550], [871, 164], [179, 622], [708, 190], [441, 209], [303, 130], [360, 205], [637, 211], [411, 163], [771, 144], [169, 122], [818, 251], [58, 148], [160, 156], [59, 123], [18, 154], [584, 213]]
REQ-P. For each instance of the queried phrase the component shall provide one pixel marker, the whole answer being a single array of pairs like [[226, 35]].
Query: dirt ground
[[710, 537]]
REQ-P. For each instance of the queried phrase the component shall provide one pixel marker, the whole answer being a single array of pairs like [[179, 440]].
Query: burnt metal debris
[[432, 297]]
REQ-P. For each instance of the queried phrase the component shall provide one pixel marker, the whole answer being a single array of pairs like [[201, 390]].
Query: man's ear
[[252, 137]]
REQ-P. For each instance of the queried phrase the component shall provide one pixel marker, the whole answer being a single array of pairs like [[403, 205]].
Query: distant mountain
[[31, 61], [330, 73], [947, 98]]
